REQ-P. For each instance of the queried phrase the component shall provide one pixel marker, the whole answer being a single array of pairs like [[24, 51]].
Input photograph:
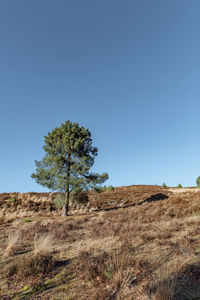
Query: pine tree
[[69, 155]]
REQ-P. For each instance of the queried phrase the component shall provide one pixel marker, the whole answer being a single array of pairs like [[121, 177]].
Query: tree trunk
[[67, 204], [66, 208]]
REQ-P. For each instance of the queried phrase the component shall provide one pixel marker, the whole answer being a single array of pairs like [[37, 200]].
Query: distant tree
[[67, 162], [198, 181], [180, 186]]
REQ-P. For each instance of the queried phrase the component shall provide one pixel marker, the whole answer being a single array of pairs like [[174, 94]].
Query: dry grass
[[30, 266], [13, 239], [43, 245], [164, 291], [121, 253], [40, 261]]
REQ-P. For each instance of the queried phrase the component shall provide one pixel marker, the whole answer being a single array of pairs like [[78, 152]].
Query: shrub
[[164, 185], [109, 272], [99, 189], [179, 186], [27, 220], [94, 267], [198, 181], [11, 270], [60, 200], [110, 188], [40, 262], [79, 196], [13, 199], [32, 265], [104, 187]]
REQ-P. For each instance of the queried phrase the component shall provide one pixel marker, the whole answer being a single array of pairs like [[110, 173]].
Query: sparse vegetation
[[40, 261], [164, 185], [179, 185], [31, 266], [131, 253]]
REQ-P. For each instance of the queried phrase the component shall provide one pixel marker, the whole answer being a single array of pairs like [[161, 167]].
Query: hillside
[[136, 242]]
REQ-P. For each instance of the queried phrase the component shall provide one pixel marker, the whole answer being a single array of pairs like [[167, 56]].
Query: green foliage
[[164, 185], [60, 200], [69, 155], [179, 186], [110, 188], [198, 181], [13, 199], [100, 189], [78, 196], [109, 272], [27, 220]]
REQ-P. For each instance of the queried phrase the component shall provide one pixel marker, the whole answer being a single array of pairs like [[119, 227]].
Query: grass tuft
[[43, 245], [13, 239]]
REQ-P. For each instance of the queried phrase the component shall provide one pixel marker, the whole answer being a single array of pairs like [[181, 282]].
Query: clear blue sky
[[127, 70]]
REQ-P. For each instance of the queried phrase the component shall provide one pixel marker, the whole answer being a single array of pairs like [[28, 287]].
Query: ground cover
[[140, 242]]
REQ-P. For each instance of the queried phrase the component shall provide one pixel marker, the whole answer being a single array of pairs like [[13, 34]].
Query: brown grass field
[[136, 242]]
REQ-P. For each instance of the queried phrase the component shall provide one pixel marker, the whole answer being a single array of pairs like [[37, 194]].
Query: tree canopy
[[69, 156], [198, 181]]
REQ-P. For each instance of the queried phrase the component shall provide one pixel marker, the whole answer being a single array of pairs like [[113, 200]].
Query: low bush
[[30, 266], [66, 231], [27, 220], [118, 271], [105, 188], [110, 188], [79, 196], [40, 262], [60, 200], [93, 267], [99, 189], [13, 199]]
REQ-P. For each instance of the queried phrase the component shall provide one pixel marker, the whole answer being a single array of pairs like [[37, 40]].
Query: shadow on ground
[[153, 198], [35, 291], [184, 285]]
